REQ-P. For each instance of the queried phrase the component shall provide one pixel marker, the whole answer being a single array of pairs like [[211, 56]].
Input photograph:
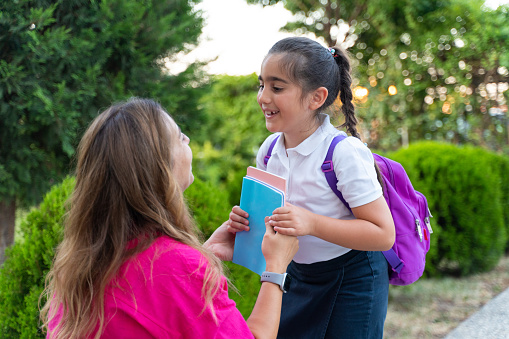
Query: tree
[[445, 62], [444, 56], [63, 61]]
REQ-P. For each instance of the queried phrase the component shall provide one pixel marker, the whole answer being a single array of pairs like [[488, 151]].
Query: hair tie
[[333, 52]]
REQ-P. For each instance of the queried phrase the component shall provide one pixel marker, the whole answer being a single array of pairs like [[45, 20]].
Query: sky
[[240, 35]]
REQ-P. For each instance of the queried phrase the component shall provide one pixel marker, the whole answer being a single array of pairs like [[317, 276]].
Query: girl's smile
[[282, 103]]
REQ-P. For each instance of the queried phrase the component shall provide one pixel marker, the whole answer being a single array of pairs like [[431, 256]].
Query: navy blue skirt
[[345, 297]]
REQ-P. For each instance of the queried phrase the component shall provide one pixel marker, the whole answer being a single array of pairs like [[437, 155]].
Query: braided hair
[[312, 66]]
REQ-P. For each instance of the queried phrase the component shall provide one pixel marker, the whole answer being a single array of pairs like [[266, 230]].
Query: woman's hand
[[278, 249], [292, 220], [238, 220], [221, 243]]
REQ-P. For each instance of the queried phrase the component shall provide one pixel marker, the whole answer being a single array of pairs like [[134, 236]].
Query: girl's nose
[[263, 96]]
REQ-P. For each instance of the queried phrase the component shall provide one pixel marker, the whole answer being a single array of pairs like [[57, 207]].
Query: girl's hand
[[292, 220], [238, 220], [278, 249]]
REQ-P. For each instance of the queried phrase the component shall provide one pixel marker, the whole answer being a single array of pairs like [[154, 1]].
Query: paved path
[[490, 322]]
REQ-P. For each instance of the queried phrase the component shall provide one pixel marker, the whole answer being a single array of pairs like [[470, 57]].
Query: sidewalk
[[490, 322]]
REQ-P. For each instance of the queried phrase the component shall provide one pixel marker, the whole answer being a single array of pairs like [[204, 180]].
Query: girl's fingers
[[239, 226], [282, 224], [268, 228], [279, 218], [234, 229], [237, 218], [237, 210], [285, 231], [281, 210]]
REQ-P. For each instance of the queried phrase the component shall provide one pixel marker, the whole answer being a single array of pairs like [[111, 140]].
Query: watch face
[[286, 285]]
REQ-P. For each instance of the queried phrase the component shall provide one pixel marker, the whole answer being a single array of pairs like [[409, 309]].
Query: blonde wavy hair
[[125, 191]]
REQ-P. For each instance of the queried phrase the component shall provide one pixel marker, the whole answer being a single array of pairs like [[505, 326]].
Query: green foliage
[[63, 61], [247, 284], [441, 55], [463, 186], [232, 133], [209, 205], [29, 259], [500, 164]]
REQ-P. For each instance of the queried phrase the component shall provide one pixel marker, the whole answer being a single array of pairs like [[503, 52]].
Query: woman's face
[[183, 156]]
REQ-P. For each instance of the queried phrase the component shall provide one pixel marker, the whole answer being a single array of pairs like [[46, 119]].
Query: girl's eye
[[277, 89], [260, 87]]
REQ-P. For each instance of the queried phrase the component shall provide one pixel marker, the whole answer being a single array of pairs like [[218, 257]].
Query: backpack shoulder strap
[[328, 169], [269, 152]]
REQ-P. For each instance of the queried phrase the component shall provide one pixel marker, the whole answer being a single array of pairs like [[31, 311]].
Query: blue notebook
[[259, 200]]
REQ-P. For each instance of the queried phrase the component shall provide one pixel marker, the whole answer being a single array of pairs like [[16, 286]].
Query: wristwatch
[[283, 280]]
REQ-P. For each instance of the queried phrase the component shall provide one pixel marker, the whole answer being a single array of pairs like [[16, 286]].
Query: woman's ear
[[318, 97]]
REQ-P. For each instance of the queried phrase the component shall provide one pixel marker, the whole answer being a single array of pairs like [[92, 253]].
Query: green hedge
[[502, 163], [28, 261], [467, 190], [467, 193], [208, 204]]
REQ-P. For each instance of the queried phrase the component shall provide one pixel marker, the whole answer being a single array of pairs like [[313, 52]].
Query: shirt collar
[[313, 141]]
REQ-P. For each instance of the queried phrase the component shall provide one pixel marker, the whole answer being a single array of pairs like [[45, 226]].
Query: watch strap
[[276, 278]]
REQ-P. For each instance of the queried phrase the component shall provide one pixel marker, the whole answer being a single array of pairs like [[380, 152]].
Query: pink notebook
[[268, 178]]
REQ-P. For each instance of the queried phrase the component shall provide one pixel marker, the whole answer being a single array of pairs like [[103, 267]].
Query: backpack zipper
[[427, 221]]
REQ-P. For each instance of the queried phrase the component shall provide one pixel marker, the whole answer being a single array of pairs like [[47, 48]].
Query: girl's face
[[282, 103], [183, 156]]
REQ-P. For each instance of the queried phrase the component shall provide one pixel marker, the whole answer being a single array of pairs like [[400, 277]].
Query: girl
[[130, 264], [340, 278]]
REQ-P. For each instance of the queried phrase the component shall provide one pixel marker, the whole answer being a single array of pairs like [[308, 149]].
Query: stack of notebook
[[261, 194]]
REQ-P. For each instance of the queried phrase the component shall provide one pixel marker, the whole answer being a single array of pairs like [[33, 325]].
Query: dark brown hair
[[312, 66]]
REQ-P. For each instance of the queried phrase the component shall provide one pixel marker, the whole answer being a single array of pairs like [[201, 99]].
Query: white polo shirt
[[307, 187]]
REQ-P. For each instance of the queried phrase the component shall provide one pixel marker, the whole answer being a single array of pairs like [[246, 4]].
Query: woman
[[131, 264]]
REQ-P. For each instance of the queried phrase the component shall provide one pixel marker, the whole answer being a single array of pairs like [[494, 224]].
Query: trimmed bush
[[502, 164], [28, 261], [208, 204], [464, 190], [247, 285]]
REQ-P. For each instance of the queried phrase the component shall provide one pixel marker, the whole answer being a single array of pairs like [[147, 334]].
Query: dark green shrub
[[209, 205], [464, 190], [247, 284], [28, 261], [501, 163]]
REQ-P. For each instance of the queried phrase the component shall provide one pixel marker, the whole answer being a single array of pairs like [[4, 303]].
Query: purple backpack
[[409, 210]]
